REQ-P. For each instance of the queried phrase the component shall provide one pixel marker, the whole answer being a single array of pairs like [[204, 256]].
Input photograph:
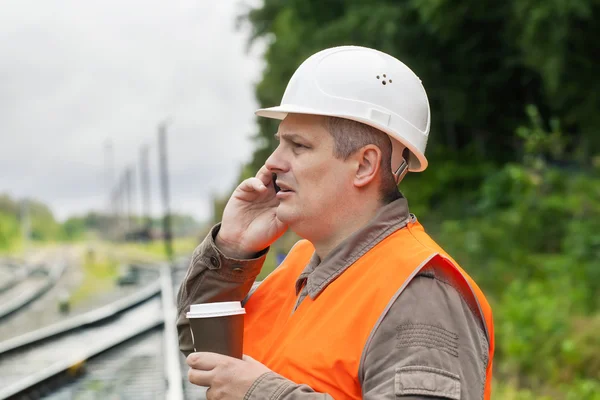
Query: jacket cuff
[[268, 386], [238, 270]]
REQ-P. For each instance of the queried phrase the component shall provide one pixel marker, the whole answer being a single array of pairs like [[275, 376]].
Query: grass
[[99, 275], [101, 267], [155, 251], [17, 249], [509, 391], [12, 250], [576, 390]]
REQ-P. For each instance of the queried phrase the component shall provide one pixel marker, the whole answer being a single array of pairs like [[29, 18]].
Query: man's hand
[[226, 377], [250, 222]]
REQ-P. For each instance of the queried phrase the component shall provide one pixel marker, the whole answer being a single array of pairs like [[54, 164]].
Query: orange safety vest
[[322, 342]]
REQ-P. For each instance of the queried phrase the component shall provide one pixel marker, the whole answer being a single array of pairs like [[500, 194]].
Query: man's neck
[[352, 221]]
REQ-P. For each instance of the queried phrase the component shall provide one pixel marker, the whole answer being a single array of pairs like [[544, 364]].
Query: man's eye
[[298, 145]]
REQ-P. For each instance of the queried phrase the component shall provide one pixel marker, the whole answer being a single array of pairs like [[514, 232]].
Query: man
[[367, 305]]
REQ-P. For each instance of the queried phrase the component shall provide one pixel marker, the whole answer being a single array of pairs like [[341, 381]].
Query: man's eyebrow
[[289, 136]]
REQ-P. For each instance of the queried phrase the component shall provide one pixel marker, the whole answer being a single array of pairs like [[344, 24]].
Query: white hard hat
[[367, 86]]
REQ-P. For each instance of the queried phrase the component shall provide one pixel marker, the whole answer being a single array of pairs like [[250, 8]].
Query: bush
[[531, 239]]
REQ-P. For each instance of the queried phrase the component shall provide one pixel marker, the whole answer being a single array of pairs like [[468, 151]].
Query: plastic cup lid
[[222, 309]]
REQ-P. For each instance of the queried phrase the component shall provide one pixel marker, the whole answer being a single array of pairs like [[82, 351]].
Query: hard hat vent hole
[[384, 82]]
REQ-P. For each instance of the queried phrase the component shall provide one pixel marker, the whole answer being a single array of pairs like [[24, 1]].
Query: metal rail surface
[[125, 355], [24, 289], [38, 361], [29, 366], [144, 368], [79, 321]]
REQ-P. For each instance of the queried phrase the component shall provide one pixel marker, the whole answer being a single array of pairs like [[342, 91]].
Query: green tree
[[480, 62], [43, 224], [74, 228], [9, 206]]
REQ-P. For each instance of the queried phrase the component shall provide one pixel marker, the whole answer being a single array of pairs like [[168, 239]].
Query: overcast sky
[[75, 74]]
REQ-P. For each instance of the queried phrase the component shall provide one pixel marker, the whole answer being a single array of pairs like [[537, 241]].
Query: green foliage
[[184, 225], [99, 275], [44, 227], [43, 224], [155, 250], [532, 242], [533, 320], [479, 61], [506, 391], [557, 40], [9, 206], [585, 389], [577, 390], [9, 231], [74, 228]]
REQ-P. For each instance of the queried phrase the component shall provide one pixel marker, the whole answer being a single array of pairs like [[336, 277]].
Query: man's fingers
[[265, 176], [201, 378], [248, 358], [252, 185], [251, 360], [205, 361], [203, 367]]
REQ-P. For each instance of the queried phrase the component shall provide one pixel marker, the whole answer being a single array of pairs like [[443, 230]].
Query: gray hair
[[349, 136]]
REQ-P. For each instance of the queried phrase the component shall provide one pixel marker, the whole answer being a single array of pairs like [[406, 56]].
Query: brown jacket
[[453, 340]]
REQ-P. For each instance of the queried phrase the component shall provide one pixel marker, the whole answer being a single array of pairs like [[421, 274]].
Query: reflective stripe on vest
[[323, 342]]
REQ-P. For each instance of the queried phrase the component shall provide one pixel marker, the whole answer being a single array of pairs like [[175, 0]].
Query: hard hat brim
[[280, 112]]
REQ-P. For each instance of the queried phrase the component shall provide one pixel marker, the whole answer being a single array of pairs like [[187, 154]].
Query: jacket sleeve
[[275, 387], [429, 345], [212, 277]]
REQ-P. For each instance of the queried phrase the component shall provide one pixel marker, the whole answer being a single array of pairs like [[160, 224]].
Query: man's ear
[[368, 162]]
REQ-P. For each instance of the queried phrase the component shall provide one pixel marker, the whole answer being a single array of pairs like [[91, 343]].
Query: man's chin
[[285, 214]]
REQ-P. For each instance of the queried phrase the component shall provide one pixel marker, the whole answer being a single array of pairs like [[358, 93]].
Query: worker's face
[[312, 180]]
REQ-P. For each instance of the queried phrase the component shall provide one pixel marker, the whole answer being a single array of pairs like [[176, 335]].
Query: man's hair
[[349, 136]]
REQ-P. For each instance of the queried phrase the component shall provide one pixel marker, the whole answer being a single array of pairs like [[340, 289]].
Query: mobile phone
[[274, 176]]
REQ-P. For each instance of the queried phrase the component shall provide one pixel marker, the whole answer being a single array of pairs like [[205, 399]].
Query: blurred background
[[124, 127]]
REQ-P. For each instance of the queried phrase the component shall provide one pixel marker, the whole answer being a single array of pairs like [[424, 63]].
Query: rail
[[28, 289], [29, 363], [83, 320]]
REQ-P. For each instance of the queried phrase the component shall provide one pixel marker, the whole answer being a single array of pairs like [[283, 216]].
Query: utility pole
[[109, 171], [119, 209], [114, 215], [109, 185], [122, 211], [164, 185], [145, 189], [129, 194]]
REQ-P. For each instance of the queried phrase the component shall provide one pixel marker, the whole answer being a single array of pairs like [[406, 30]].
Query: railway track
[[123, 350], [41, 297], [25, 284]]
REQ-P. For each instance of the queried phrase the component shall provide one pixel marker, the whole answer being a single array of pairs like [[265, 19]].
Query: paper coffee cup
[[218, 327]]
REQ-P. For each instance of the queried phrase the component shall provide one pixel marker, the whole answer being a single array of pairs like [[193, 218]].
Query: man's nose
[[276, 162]]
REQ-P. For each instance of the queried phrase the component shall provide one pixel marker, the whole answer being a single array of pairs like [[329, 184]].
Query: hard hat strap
[[401, 171]]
